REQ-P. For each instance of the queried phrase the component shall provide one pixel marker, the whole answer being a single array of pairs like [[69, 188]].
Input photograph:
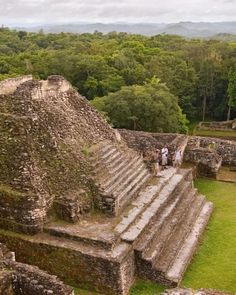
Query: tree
[[206, 83], [231, 92], [195, 71], [150, 107]]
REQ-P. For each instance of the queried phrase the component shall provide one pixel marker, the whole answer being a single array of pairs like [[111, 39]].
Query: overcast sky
[[52, 11]]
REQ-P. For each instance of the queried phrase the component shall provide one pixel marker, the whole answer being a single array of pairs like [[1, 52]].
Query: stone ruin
[[146, 142], [185, 291], [209, 154], [227, 129], [18, 278], [218, 126], [206, 155], [77, 201]]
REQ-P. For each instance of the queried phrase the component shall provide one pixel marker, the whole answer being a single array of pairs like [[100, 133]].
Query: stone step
[[106, 166], [134, 231], [167, 228], [102, 152], [104, 171], [188, 248], [70, 234], [116, 173], [145, 197], [147, 244], [108, 157], [111, 165], [125, 183], [139, 183], [124, 175], [100, 147], [187, 173], [178, 236], [132, 182], [117, 254]]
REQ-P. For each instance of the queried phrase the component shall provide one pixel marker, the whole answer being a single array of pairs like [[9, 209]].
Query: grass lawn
[[214, 133], [85, 292], [214, 266]]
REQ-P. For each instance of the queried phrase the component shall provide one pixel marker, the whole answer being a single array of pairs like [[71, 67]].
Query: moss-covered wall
[[6, 283], [71, 265]]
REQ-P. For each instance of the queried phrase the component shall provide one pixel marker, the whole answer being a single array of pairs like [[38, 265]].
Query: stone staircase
[[167, 245], [162, 224], [154, 223], [119, 174]]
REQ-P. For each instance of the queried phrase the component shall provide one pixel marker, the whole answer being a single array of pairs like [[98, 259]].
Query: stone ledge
[[110, 272]]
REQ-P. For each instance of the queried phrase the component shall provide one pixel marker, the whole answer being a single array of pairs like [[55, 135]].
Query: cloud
[[51, 11]]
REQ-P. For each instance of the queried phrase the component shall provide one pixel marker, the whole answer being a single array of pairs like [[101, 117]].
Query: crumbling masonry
[[22, 279], [78, 202]]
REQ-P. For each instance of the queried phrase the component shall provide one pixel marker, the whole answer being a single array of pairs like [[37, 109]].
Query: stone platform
[[154, 238]]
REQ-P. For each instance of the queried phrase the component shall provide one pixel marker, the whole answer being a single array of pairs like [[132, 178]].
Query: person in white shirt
[[164, 156], [178, 157]]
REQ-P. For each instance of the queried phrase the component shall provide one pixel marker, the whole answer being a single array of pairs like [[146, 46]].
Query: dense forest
[[146, 83]]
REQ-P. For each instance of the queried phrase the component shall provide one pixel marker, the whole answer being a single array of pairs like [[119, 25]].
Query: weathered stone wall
[[10, 85], [46, 130], [225, 148], [6, 283], [215, 125], [185, 291], [26, 279], [146, 142], [195, 149], [209, 154], [208, 162], [6, 287], [90, 270], [33, 281]]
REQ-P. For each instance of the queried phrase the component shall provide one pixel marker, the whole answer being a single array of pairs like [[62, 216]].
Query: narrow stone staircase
[[119, 173]]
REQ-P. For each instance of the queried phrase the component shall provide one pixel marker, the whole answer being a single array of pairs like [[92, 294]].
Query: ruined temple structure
[[22, 279], [224, 126], [206, 155], [218, 126], [78, 201]]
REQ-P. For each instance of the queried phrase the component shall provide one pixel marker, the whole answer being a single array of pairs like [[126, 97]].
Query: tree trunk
[[228, 115], [204, 108]]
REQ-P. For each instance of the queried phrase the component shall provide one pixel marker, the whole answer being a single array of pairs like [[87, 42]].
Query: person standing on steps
[[156, 165], [164, 156], [177, 158]]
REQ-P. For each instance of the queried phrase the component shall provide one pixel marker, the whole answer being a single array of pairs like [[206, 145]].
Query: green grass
[[146, 288], [85, 292], [215, 133], [214, 265]]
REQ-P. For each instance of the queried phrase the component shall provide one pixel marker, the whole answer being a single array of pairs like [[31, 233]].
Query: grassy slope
[[215, 263], [214, 266]]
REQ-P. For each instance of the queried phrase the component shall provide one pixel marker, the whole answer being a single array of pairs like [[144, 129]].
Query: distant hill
[[225, 37], [186, 29]]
